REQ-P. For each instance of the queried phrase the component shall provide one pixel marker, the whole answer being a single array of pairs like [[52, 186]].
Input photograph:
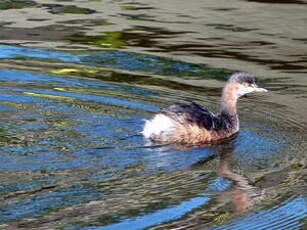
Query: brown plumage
[[190, 123]]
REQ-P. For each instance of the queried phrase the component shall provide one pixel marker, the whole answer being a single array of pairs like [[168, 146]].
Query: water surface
[[78, 78]]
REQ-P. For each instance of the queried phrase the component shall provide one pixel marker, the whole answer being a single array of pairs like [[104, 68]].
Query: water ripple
[[71, 151]]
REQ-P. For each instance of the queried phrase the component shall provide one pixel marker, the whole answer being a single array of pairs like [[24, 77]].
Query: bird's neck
[[229, 106]]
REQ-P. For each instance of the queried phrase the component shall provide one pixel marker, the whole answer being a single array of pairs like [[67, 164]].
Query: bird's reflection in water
[[242, 194]]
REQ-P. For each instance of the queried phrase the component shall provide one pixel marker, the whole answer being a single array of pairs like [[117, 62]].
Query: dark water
[[78, 78]]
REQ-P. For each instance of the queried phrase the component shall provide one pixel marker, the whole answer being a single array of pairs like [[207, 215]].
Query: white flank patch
[[159, 124]]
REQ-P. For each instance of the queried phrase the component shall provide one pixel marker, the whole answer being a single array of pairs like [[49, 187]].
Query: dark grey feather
[[191, 113], [241, 77]]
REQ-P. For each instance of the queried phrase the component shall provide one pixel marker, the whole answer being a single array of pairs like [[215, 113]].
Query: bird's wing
[[191, 113]]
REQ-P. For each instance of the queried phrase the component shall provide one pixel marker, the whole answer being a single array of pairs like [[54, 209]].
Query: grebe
[[190, 123]]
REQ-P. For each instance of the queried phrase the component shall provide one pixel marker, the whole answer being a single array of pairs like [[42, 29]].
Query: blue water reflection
[[117, 60], [287, 215], [36, 204], [155, 218], [17, 52]]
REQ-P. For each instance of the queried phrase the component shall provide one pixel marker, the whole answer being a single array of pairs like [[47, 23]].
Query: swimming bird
[[190, 123]]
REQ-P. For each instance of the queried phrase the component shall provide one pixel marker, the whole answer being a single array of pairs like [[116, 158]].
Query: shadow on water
[[71, 153], [5, 5]]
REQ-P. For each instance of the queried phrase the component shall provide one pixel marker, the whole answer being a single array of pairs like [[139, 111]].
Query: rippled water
[[78, 78]]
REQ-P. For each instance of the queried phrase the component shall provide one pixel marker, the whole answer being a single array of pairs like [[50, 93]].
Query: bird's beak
[[258, 89]]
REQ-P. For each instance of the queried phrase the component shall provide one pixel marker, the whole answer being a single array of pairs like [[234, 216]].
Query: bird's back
[[184, 123], [191, 113]]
